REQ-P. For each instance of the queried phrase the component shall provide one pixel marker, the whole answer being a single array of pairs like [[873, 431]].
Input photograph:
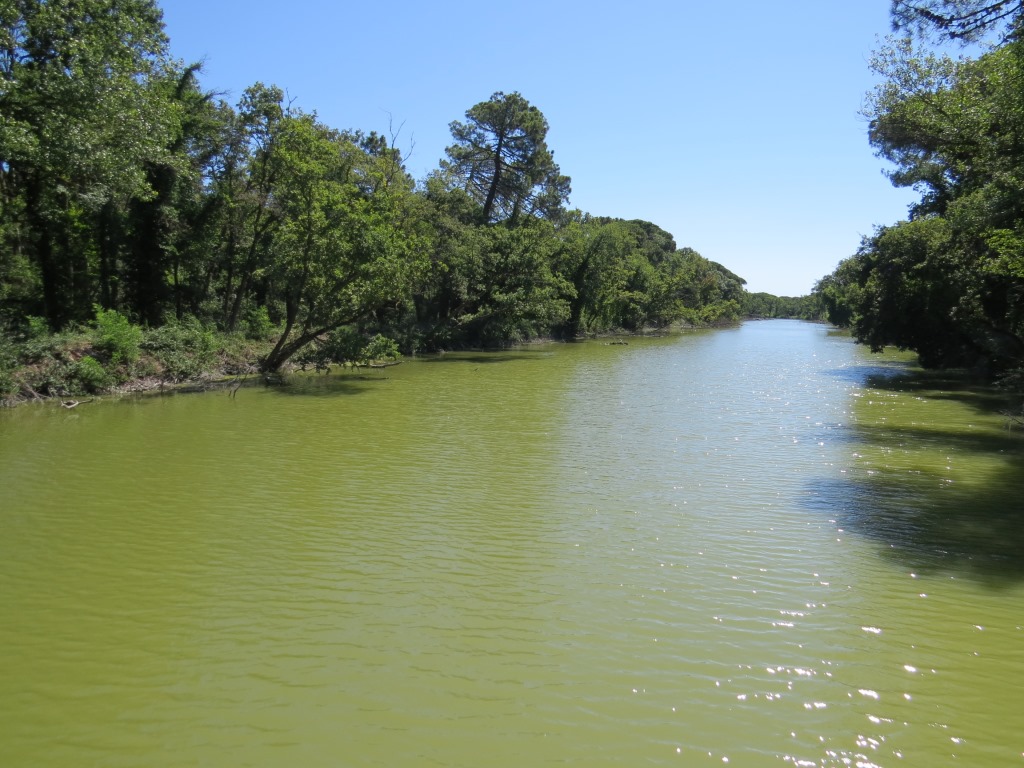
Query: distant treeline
[[127, 187], [766, 306], [949, 282]]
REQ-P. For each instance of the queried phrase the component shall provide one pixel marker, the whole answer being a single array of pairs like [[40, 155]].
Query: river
[[759, 546]]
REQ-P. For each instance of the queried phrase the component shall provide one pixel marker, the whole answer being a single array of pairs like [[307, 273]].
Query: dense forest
[[143, 218], [948, 282]]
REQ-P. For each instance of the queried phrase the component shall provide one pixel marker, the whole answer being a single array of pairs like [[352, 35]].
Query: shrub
[[116, 335], [90, 374], [46, 346], [183, 349], [8, 364], [36, 327], [380, 347], [257, 324], [346, 345], [342, 344]]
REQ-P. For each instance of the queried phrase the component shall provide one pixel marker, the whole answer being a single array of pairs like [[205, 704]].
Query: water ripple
[[592, 554]]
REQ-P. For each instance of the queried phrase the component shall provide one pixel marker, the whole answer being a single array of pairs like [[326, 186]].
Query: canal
[[759, 546]]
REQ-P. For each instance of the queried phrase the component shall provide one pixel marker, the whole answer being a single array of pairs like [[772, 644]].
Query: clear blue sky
[[732, 125]]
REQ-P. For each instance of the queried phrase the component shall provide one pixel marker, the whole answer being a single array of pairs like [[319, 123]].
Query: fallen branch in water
[[239, 381], [74, 403]]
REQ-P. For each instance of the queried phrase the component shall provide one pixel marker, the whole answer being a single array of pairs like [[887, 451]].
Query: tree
[[955, 131], [592, 257], [246, 182], [78, 123], [340, 252], [166, 227], [910, 297], [964, 20], [501, 159]]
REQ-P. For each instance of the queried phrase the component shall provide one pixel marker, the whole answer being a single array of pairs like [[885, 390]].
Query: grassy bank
[[113, 355]]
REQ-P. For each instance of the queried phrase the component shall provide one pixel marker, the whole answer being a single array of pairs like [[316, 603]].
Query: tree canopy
[[963, 20], [131, 196], [948, 283], [501, 159]]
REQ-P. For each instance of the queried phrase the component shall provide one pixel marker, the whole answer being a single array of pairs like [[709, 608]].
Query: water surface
[[758, 546]]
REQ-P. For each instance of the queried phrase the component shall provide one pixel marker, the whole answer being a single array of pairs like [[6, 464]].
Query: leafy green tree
[[907, 297], [246, 183], [950, 127], [450, 287], [511, 292], [500, 157], [169, 233], [340, 252], [954, 131], [766, 305], [838, 292], [78, 123], [699, 290], [592, 257], [630, 275]]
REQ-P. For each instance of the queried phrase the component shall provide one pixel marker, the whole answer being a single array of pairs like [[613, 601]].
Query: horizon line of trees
[[126, 186], [947, 283]]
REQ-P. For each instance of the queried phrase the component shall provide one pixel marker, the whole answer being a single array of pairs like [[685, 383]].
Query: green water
[[749, 546]]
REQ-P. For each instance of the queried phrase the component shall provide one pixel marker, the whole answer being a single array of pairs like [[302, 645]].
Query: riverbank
[[116, 358]]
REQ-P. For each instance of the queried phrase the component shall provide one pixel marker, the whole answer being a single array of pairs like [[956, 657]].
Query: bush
[[183, 349], [46, 346], [380, 347], [36, 327], [116, 335], [346, 345], [343, 344], [90, 374], [257, 324], [8, 364]]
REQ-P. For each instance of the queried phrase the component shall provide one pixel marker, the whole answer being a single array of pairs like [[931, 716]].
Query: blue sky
[[733, 126]]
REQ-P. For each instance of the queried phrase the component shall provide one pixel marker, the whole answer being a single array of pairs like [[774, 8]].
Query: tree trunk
[[55, 305], [492, 192]]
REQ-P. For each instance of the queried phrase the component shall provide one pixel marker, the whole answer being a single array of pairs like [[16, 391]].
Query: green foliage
[[8, 365], [117, 336], [34, 349], [125, 185], [948, 284], [342, 345], [510, 292], [380, 349], [81, 123], [765, 305], [257, 324], [182, 350], [348, 345], [90, 375], [36, 328], [501, 159], [342, 251]]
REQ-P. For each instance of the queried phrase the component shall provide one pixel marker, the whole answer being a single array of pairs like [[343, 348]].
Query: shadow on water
[[860, 374], [484, 357], [959, 387], [327, 385], [927, 517]]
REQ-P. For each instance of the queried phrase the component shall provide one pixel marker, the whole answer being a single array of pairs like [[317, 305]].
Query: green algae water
[[759, 546]]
